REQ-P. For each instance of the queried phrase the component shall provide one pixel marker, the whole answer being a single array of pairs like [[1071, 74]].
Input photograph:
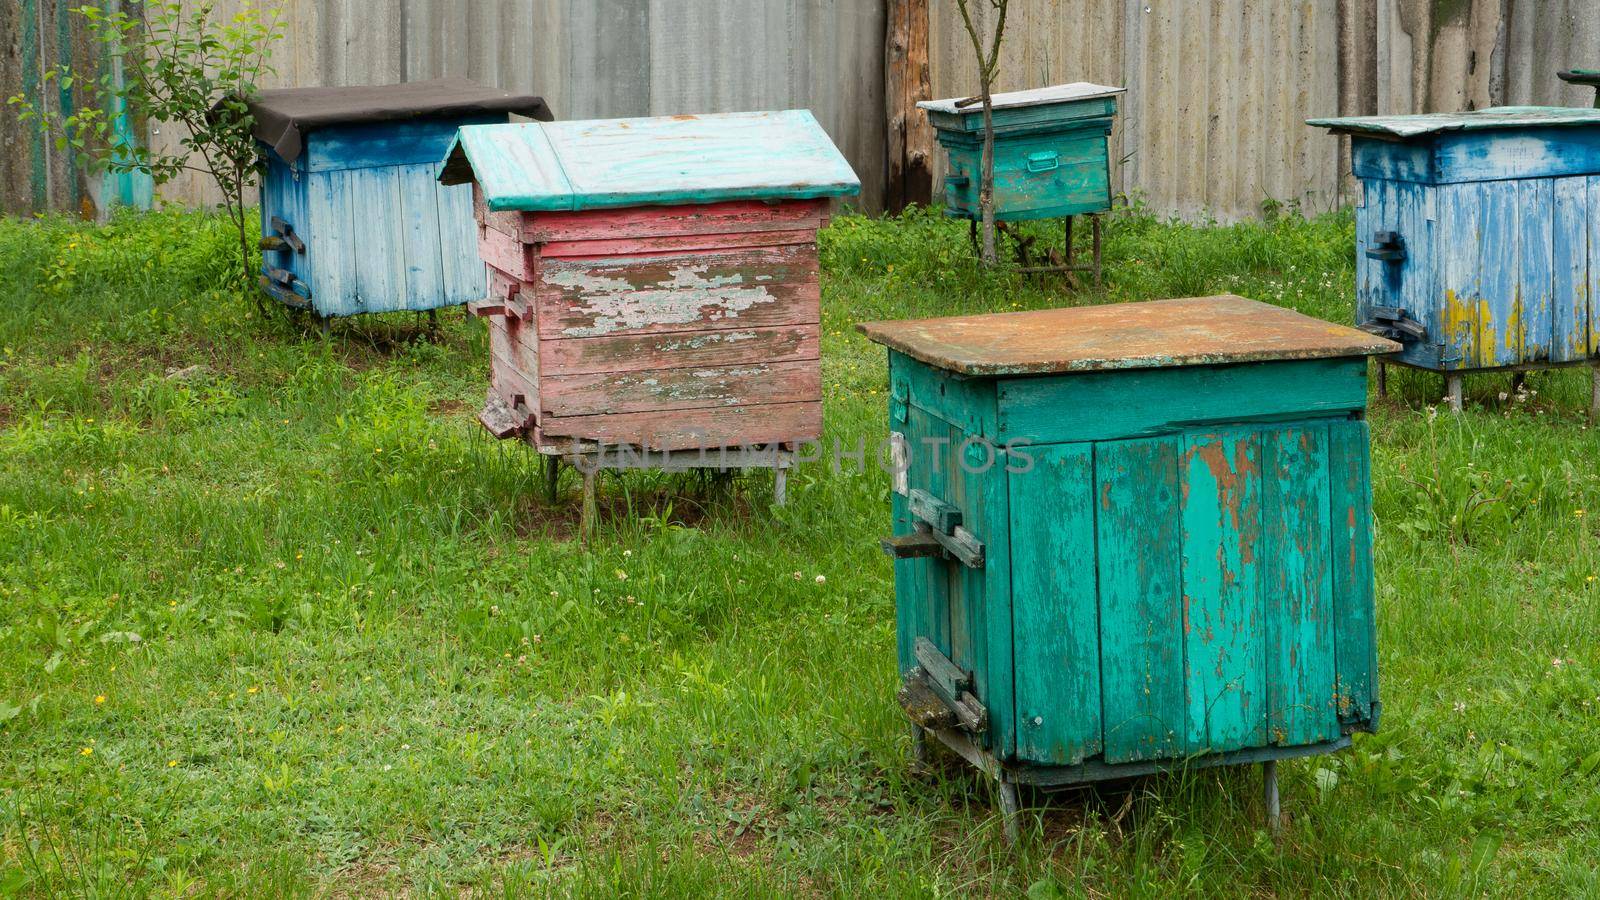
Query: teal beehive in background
[[1051, 157], [1132, 537], [353, 217]]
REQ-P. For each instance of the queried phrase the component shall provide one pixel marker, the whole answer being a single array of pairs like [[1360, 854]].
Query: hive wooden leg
[[1010, 811], [552, 477], [326, 324], [1269, 782], [1594, 392], [1453, 391], [1099, 272], [590, 510], [1383, 381], [919, 746], [780, 485]]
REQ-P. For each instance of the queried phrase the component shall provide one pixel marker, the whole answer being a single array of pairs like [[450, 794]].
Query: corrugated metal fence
[[1211, 125], [588, 58]]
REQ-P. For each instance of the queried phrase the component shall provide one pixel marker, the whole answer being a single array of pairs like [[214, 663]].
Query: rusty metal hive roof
[[1194, 331]]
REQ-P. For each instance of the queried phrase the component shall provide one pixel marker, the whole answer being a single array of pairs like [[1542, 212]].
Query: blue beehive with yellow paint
[[1476, 234], [353, 218], [1132, 537]]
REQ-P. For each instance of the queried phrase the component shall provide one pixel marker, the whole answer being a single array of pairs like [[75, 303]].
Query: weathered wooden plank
[[906, 77], [1461, 302], [506, 297], [1109, 405], [1222, 619], [988, 502], [739, 289], [927, 607], [966, 402], [1483, 156], [464, 275], [1054, 610], [284, 196], [1409, 211], [380, 236], [508, 254], [1534, 331], [508, 223], [641, 352], [1141, 627], [672, 244], [1569, 316], [331, 243], [513, 386], [661, 221], [657, 160], [694, 428], [1154, 334], [964, 592], [384, 144], [1592, 295], [1350, 520], [422, 260], [507, 346], [1499, 330], [939, 515], [685, 388], [1302, 705]]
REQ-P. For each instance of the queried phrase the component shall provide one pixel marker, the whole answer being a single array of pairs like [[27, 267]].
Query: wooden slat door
[[1195, 593]]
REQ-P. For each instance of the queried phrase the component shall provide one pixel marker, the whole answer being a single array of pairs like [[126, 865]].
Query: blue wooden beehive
[[1132, 537], [352, 215], [1474, 236], [1050, 151]]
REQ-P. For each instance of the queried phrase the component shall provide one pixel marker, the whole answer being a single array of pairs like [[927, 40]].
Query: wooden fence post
[[907, 81]]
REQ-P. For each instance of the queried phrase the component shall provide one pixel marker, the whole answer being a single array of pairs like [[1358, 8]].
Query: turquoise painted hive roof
[[1495, 117], [662, 160]]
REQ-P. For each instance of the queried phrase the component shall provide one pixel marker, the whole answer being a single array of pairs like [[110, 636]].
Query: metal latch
[[938, 533], [1394, 323], [936, 693], [1387, 246]]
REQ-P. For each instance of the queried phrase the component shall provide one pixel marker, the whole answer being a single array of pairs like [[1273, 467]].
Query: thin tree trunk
[[986, 185]]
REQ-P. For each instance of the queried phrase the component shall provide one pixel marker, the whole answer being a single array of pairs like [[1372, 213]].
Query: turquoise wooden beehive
[[353, 217], [1134, 536], [1477, 235], [1050, 151]]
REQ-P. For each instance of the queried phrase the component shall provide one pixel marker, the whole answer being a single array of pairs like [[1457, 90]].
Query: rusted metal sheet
[[1156, 334]]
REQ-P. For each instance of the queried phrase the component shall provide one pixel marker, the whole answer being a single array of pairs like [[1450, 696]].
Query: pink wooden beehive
[[653, 282]]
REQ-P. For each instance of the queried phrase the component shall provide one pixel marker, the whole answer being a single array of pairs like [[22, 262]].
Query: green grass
[[343, 647]]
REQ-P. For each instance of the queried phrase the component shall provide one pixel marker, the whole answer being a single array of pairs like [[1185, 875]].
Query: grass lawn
[[278, 618]]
